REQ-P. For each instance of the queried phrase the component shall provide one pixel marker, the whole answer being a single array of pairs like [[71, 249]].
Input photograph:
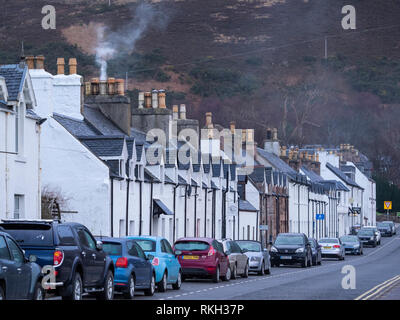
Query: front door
[[8, 270], [88, 248]]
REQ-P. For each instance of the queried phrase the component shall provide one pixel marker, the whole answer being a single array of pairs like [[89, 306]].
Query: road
[[373, 270]]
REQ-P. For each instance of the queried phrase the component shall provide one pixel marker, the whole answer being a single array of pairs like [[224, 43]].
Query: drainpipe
[[205, 212], [112, 207], [213, 213], [308, 212], [151, 208], [140, 207], [174, 223], [185, 209], [298, 208], [127, 206], [195, 212]]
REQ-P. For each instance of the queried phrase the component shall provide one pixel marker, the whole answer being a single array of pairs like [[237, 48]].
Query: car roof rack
[[48, 221]]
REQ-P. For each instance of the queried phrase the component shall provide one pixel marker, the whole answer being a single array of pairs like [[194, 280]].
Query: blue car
[[167, 267], [133, 270]]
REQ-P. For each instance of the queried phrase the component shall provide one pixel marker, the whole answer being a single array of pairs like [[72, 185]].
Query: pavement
[[377, 276]]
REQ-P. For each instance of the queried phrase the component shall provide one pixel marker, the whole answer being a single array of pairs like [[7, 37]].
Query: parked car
[[392, 224], [368, 236], [133, 270], [259, 260], [352, 244], [202, 258], [316, 252], [166, 265], [238, 260], [332, 248], [291, 248], [80, 263], [377, 233], [354, 229], [20, 278], [385, 229]]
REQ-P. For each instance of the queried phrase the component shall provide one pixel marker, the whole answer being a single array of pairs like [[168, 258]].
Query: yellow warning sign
[[387, 205]]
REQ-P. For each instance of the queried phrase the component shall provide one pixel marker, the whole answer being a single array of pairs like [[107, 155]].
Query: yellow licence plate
[[191, 257], [327, 247]]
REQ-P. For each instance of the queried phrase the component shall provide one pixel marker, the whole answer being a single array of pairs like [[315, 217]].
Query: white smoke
[[110, 44]]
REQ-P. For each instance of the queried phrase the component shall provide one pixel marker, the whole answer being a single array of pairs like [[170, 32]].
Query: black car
[[20, 278], [80, 263], [392, 224], [316, 252], [385, 229], [291, 248], [367, 236], [352, 245]]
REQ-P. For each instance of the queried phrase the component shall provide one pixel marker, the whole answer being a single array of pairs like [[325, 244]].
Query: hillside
[[259, 62]]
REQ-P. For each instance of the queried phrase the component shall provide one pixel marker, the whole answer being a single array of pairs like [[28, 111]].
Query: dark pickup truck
[[79, 262]]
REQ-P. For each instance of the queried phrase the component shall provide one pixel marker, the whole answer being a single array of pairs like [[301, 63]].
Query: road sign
[[320, 216], [264, 227], [387, 205]]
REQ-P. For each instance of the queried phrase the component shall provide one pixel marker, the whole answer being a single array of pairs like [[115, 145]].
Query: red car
[[202, 258]]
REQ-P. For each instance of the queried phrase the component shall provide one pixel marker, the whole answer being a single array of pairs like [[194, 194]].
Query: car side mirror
[[99, 245], [227, 252], [32, 258], [244, 250], [150, 257], [265, 250], [270, 243]]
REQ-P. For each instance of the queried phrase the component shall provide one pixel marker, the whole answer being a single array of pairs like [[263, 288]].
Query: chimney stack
[[275, 134], [39, 62], [119, 87], [154, 99], [161, 99], [183, 112], [30, 61], [60, 66], [72, 66], [88, 88], [232, 126], [141, 100], [175, 112], [147, 99], [95, 86]]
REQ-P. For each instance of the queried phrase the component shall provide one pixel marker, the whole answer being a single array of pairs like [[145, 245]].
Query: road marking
[[378, 288]]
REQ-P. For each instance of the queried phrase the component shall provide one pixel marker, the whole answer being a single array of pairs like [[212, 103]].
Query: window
[[168, 247], [86, 239], [17, 254], [121, 227], [163, 248], [18, 206], [131, 249], [139, 251], [4, 253], [66, 236], [131, 227]]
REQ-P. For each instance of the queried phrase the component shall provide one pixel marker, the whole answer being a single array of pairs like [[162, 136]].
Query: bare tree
[[52, 202]]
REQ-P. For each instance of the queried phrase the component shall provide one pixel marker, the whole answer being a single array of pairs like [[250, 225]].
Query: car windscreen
[[31, 234], [383, 225], [366, 232], [249, 246], [349, 239], [289, 240], [147, 245], [192, 246], [112, 248], [328, 240]]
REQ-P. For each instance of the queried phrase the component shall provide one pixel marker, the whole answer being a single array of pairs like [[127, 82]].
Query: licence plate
[[190, 257], [327, 247], [286, 257]]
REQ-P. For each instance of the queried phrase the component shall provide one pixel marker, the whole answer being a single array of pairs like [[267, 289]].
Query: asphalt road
[[373, 270]]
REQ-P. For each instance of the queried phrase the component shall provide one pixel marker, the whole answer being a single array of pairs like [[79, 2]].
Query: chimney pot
[[161, 99], [103, 87], [39, 62], [250, 135], [147, 99], [111, 86], [209, 120], [232, 126], [88, 88], [95, 86], [119, 86], [275, 134], [141, 100], [154, 99], [72, 66], [183, 112], [175, 112], [60, 65], [30, 61]]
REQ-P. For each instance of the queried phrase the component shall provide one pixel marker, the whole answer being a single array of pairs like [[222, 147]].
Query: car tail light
[[336, 246], [155, 262], [122, 262], [58, 258], [211, 252]]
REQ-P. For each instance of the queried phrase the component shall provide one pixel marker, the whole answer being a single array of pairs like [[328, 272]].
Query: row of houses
[[86, 153]]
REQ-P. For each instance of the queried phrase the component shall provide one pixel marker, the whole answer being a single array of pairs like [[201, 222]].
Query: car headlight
[[356, 246], [372, 238], [255, 259], [300, 250], [273, 249]]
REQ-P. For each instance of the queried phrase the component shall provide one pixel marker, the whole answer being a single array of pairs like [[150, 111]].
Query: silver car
[[332, 248], [238, 260], [259, 260]]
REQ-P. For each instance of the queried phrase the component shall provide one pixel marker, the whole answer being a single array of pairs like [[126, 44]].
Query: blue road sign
[[320, 216]]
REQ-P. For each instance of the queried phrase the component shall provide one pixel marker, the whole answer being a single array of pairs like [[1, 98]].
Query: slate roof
[[114, 167], [129, 144], [139, 151], [181, 180], [312, 175], [104, 146], [168, 180], [214, 186], [342, 176], [149, 177], [258, 174], [76, 127], [15, 77], [193, 183], [244, 205], [170, 157], [32, 115], [100, 122]]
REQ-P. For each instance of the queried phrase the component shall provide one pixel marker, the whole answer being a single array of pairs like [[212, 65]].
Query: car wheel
[[234, 272], [216, 275], [178, 283], [150, 291], [228, 274], [246, 271], [39, 292], [314, 261], [162, 285], [304, 263], [108, 289], [262, 270], [2, 295], [130, 293], [77, 290], [268, 271]]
